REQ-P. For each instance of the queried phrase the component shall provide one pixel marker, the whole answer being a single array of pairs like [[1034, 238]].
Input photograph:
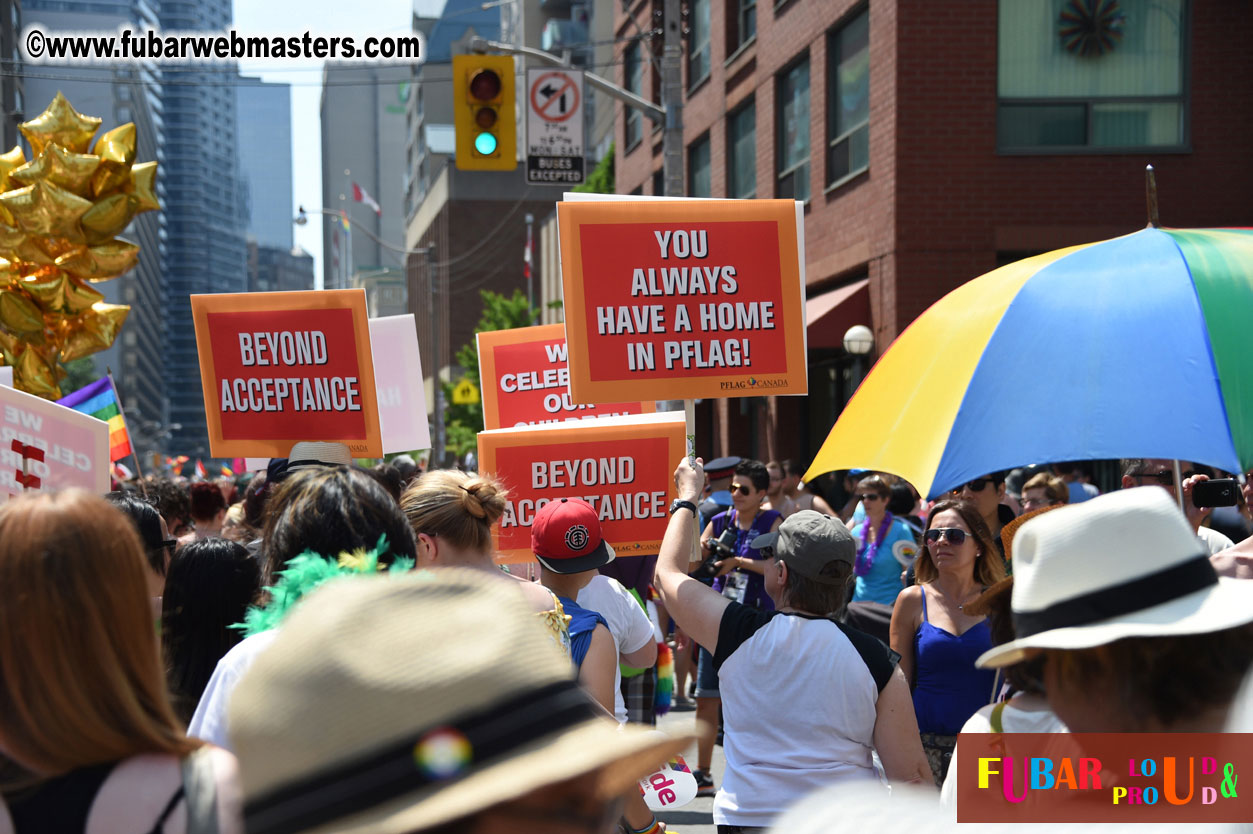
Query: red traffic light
[[485, 85]]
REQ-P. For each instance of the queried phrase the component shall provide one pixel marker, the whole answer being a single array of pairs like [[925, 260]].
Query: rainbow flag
[[100, 401]]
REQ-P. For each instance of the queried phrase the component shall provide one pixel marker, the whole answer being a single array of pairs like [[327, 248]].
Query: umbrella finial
[[1150, 194]]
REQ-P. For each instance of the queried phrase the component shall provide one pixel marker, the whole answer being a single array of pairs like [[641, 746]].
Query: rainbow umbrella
[[1140, 346]]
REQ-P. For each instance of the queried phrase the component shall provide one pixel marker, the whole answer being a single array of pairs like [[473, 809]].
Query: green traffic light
[[485, 143]]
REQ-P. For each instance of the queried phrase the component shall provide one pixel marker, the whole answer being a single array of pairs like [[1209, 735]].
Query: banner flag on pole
[[100, 401]]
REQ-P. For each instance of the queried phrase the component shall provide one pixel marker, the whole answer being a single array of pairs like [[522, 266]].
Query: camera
[[1216, 492], [720, 548]]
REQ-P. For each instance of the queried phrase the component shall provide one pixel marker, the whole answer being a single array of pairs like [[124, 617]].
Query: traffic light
[[483, 112]]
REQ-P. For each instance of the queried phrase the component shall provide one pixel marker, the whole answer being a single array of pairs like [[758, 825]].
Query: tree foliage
[[462, 423], [601, 180]]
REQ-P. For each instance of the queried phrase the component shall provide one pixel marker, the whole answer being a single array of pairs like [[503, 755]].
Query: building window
[[1112, 81], [659, 182], [848, 99], [741, 23], [747, 20], [634, 69], [698, 50], [698, 184], [793, 133], [742, 152]]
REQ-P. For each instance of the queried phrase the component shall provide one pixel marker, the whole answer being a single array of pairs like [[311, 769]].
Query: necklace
[[869, 549]]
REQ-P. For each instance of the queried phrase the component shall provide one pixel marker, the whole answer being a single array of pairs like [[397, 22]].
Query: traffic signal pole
[[672, 98], [669, 115]]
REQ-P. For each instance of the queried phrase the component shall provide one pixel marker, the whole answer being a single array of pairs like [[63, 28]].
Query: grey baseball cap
[[808, 541]]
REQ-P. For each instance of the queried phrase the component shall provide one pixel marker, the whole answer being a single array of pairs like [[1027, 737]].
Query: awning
[[829, 315]]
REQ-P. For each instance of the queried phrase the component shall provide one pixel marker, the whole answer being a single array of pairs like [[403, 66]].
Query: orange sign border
[[489, 340], [255, 302], [574, 214], [674, 431]]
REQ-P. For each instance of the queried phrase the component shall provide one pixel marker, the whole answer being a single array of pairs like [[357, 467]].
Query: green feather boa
[[309, 571]]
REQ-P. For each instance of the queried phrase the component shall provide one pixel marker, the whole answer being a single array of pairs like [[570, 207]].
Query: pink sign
[[398, 382], [45, 446]]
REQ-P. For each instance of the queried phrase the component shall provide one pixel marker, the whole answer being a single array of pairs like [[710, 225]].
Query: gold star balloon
[[100, 263], [143, 186], [71, 171], [93, 331], [46, 209], [80, 296], [61, 124], [107, 217], [19, 314], [116, 150], [10, 162], [59, 213], [35, 375]]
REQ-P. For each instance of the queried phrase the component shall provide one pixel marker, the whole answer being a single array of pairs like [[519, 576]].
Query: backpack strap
[[995, 719], [200, 792]]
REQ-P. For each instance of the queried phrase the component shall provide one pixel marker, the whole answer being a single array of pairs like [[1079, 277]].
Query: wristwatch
[[679, 504]]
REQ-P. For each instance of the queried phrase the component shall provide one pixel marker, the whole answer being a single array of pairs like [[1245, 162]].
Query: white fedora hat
[[314, 453], [389, 705], [1126, 564]]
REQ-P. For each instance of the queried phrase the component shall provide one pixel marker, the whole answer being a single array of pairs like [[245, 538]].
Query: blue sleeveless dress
[[948, 689]]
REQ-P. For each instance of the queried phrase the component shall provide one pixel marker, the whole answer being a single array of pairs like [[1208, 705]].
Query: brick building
[[934, 141]]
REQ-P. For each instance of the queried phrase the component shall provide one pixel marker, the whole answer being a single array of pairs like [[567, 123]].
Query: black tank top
[[61, 805]]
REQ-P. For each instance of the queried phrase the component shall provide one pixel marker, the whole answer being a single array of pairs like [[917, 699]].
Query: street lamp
[[859, 341]]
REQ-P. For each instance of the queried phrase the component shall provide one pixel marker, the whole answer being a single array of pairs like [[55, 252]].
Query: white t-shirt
[[1013, 720], [628, 623], [1214, 540], [799, 704], [209, 721]]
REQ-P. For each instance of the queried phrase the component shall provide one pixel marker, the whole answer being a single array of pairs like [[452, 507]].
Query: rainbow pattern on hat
[[443, 753]]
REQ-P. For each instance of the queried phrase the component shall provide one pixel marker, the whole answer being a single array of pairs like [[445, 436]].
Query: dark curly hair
[[173, 502], [331, 511]]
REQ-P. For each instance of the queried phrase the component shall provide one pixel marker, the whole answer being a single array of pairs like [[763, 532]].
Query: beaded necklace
[[869, 549]]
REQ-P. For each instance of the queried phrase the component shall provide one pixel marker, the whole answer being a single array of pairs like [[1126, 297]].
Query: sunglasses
[[976, 485], [1166, 478], [871, 496], [742, 489], [953, 534], [168, 545]]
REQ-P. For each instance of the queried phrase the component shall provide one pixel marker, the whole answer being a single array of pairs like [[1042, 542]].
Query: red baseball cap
[[566, 537]]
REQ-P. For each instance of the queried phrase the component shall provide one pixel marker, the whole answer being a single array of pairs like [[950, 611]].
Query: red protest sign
[[525, 380], [683, 299], [623, 467], [278, 368]]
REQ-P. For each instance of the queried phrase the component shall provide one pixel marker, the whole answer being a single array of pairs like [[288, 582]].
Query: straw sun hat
[[1126, 564], [395, 704]]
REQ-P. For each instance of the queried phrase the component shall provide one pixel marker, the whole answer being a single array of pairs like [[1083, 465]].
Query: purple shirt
[[755, 595]]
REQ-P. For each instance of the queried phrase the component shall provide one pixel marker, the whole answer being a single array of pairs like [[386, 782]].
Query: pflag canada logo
[[577, 537]]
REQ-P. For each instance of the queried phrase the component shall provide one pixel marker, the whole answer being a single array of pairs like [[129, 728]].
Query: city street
[[697, 816]]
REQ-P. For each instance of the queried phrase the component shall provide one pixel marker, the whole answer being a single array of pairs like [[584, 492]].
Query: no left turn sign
[[554, 126], [555, 96]]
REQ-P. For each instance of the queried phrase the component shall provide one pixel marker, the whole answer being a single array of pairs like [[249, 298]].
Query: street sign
[[554, 126], [465, 393]]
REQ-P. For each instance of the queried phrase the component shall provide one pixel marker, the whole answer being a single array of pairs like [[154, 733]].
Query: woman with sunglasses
[[155, 536], [885, 545], [938, 642]]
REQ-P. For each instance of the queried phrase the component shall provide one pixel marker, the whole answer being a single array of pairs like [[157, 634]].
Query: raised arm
[[695, 607]]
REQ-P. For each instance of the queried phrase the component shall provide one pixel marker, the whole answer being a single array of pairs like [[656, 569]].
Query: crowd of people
[[326, 647]]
